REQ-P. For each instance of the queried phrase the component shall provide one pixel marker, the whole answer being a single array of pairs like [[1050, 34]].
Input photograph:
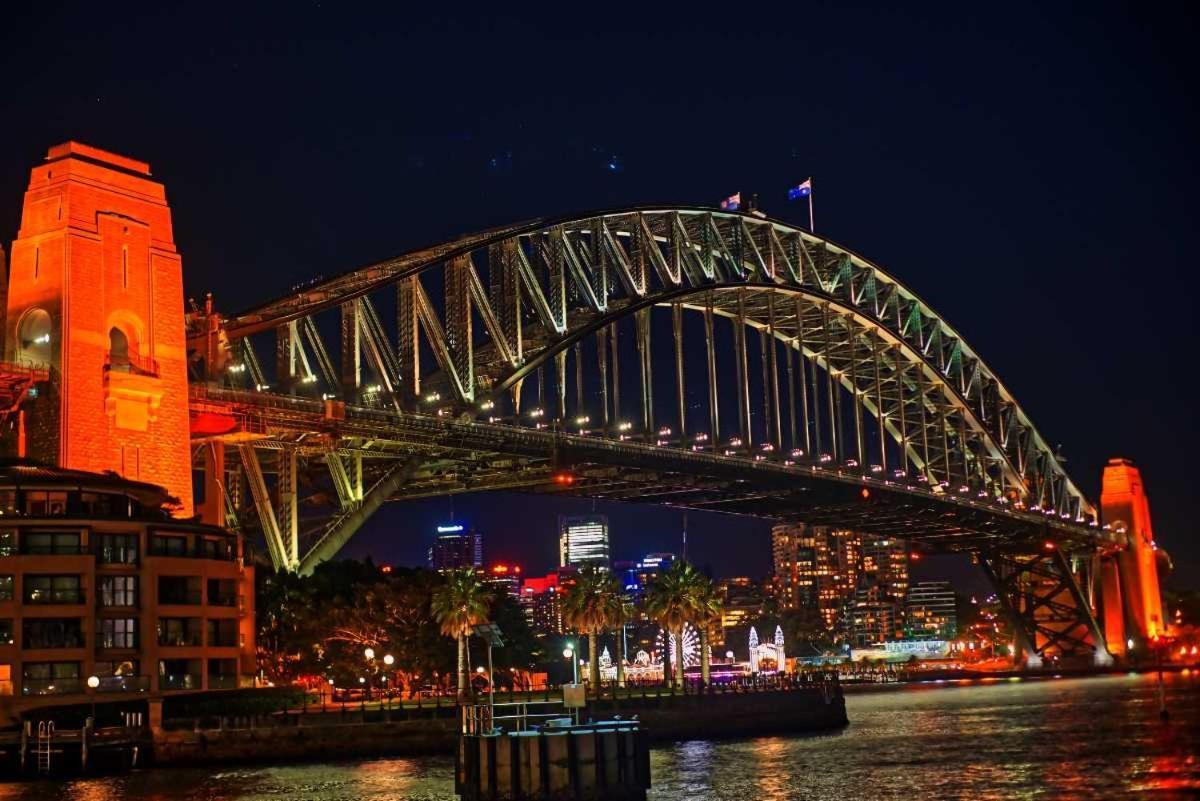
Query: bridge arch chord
[[516, 300]]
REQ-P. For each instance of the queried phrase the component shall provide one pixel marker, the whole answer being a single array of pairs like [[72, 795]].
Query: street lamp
[[569, 653], [93, 682], [369, 653], [388, 659]]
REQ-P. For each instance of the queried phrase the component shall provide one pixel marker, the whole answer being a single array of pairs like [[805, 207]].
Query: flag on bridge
[[803, 190], [732, 203]]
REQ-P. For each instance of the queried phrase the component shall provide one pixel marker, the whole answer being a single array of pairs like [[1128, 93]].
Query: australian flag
[[732, 203], [803, 190]]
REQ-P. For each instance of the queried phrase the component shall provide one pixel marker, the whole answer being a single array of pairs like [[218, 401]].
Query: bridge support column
[[1124, 506], [212, 511], [1048, 612], [1112, 606]]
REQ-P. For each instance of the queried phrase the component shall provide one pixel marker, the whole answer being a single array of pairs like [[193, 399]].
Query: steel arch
[[574, 274]]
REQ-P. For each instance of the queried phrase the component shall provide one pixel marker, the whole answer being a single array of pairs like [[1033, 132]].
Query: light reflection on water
[[1093, 738]]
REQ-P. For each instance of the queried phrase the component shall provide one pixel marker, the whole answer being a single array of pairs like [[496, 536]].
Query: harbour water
[[1053, 739]]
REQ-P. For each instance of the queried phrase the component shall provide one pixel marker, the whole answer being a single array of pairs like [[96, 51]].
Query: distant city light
[[453, 529]]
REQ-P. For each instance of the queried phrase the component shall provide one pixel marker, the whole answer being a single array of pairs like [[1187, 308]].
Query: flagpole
[[811, 229]]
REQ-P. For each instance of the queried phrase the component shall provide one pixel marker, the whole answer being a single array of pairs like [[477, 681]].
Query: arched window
[[118, 350], [33, 337]]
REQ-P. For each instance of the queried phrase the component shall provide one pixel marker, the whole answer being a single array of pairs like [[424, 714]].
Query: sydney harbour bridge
[[682, 356]]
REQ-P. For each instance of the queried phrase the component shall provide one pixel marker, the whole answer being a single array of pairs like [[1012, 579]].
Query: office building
[[583, 540], [455, 547]]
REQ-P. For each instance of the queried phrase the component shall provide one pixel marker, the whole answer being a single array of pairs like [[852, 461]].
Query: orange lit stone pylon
[[1132, 597], [95, 292]]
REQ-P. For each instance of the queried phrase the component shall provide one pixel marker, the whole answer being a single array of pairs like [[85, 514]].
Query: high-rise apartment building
[[816, 568], [583, 540], [931, 611]]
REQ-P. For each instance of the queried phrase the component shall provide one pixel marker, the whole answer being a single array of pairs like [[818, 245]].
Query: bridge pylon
[[95, 299], [1131, 593]]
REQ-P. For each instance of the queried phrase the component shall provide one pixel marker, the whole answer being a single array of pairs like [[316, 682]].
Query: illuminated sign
[[449, 529]]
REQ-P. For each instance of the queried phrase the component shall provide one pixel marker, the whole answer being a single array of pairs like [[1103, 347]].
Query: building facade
[[456, 547], [931, 611], [96, 580], [583, 540]]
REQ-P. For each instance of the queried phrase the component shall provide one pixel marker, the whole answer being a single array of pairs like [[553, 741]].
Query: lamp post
[[369, 653], [93, 682], [569, 653]]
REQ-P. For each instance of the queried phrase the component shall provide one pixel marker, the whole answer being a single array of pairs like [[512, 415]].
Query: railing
[[481, 718], [136, 365], [124, 684], [222, 682], [179, 681], [217, 640], [206, 550], [224, 599], [181, 597], [51, 686], [55, 597], [181, 640], [53, 550], [63, 641]]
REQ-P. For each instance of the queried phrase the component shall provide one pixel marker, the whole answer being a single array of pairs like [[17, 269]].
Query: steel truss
[[875, 386], [1042, 598]]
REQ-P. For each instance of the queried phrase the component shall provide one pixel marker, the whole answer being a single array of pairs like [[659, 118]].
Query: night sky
[[1030, 173]]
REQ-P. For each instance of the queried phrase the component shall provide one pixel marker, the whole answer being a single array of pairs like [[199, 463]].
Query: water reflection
[[1068, 739]]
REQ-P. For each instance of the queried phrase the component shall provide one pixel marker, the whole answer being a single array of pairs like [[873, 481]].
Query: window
[[179, 631], [222, 674], [117, 549], [163, 545], [6, 588], [101, 504], [118, 667], [179, 590], [8, 542], [224, 548], [44, 503], [179, 674], [50, 678], [119, 632], [53, 590], [8, 502], [222, 592], [52, 632], [223, 633], [52, 542], [118, 590], [6, 631], [6, 680]]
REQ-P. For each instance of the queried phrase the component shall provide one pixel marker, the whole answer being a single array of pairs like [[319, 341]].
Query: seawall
[[316, 737]]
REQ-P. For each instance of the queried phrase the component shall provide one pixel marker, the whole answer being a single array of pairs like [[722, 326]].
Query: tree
[[708, 611], [458, 605], [618, 613], [671, 601], [588, 607]]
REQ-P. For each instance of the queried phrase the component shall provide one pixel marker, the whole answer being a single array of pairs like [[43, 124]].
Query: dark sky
[[1029, 171]]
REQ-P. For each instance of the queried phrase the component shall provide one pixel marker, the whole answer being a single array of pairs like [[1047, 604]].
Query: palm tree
[[458, 605], [672, 602], [588, 608], [708, 612], [618, 612]]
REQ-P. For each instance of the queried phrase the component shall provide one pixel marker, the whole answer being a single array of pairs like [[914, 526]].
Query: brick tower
[[95, 293], [1123, 504]]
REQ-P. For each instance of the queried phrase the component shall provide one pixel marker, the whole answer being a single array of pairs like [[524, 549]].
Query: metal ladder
[[45, 743]]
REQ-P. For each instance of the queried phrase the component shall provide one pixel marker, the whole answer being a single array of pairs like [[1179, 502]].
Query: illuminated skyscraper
[[456, 547], [583, 541]]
